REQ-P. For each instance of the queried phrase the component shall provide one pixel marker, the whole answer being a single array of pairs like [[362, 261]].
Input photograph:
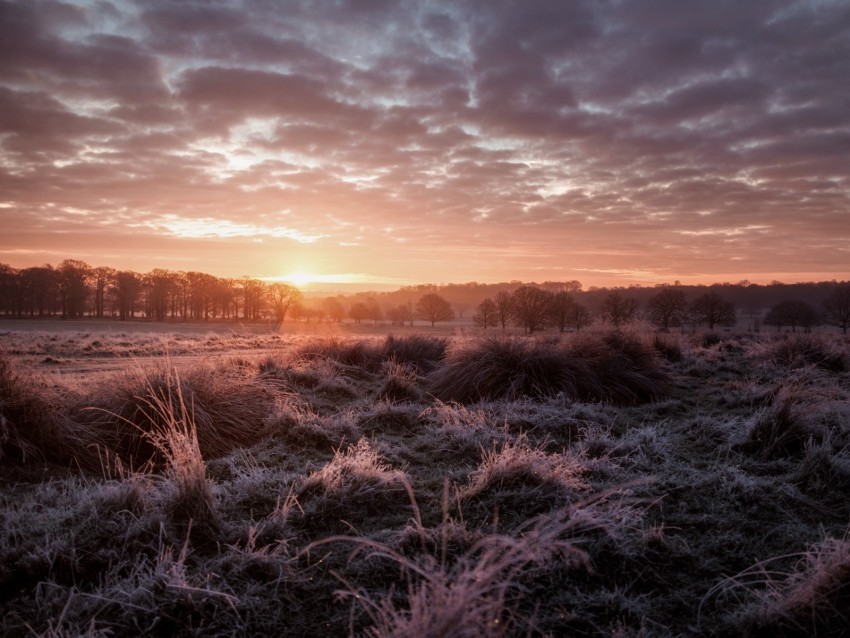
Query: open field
[[235, 481]]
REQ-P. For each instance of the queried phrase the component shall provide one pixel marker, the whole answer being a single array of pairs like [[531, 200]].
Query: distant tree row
[[73, 290], [533, 308]]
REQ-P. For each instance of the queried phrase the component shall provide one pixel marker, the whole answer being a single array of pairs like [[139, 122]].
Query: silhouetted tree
[[432, 307], [504, 307], [253, 293], [531, 307], [792, 313], [667, 308], [101, 277], [837, 308], [560, 309], [580, 317], [713, 310], [486, 315], [282, 296], [373, 310], [358, 311], [160, 284], [74, 277], [333, 309], [39, 289], [618, 309], [126, 288]]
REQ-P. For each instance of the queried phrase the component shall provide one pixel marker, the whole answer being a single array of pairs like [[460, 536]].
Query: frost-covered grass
[[419, 486]]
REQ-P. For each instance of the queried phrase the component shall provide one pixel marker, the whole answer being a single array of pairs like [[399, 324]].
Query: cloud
[[614, 137]]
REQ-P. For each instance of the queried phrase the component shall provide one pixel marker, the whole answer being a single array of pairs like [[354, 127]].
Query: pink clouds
[[590, 136]]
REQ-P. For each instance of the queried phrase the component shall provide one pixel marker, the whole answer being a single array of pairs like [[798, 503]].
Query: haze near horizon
[[372, 143]]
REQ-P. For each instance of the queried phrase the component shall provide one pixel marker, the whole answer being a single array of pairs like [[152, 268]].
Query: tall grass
[[228, 410], [611, 368]]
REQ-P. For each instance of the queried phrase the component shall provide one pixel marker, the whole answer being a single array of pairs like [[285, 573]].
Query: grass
[[593, 484]]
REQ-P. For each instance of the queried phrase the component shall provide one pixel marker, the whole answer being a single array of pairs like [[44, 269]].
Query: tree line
[[73, 290], [534, 308]]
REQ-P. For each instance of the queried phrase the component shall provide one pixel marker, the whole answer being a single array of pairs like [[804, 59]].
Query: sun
[[300, 279]]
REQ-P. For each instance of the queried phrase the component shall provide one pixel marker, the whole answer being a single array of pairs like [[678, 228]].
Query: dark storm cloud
[[606, 123]]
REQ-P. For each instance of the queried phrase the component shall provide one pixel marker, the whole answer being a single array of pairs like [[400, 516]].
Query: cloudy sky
[[393, 142]]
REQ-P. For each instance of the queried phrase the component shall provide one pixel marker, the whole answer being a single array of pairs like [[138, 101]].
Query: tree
[[561, 309], [373, 310], [333, 309], [486, 315], [126, 288], [401, 313], [101, 277], [531, 307], [282, 297], [667, 308], [837, 308], [432, 307], [713, 309], [74, 277], [618, 309], [504, 307], [358, 311], [580, 317], [791, 313]]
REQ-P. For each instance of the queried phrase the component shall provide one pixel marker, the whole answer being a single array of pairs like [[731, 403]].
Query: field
[[235, 481]]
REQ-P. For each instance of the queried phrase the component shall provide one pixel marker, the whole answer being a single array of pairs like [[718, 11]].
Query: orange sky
[[388, 143]]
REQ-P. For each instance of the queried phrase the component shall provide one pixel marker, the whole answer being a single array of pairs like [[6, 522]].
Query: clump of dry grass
[[517, 481], [508, 369], [34, 426], [811, 599], [422, 352], [366, 355], [399, 383], [779, 432], [228, 410], [189, 500], [626, 370], [355, 486], [611, 368], [797, 351]]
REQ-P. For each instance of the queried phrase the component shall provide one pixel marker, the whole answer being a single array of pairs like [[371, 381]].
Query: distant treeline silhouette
[[75, 290]]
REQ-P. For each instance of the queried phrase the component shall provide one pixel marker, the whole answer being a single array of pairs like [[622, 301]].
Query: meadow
[[250, 482]]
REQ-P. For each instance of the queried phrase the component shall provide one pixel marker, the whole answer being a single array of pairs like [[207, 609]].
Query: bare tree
[[282, 297], [101, 277], [792, 313], [531, 307], [358, 311], [580, 317], [127, 286], [333, 309], [504, 307], [837, 307], [373, 310], [486, 315], [667, 308], [618, 309], [713, 309], [560, 309], [74, 278], [432, 307]]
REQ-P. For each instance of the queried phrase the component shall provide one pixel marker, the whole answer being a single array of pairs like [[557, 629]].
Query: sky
[[381, 143]]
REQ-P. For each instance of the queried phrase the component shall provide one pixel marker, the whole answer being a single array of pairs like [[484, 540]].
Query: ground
[[233, 480]]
